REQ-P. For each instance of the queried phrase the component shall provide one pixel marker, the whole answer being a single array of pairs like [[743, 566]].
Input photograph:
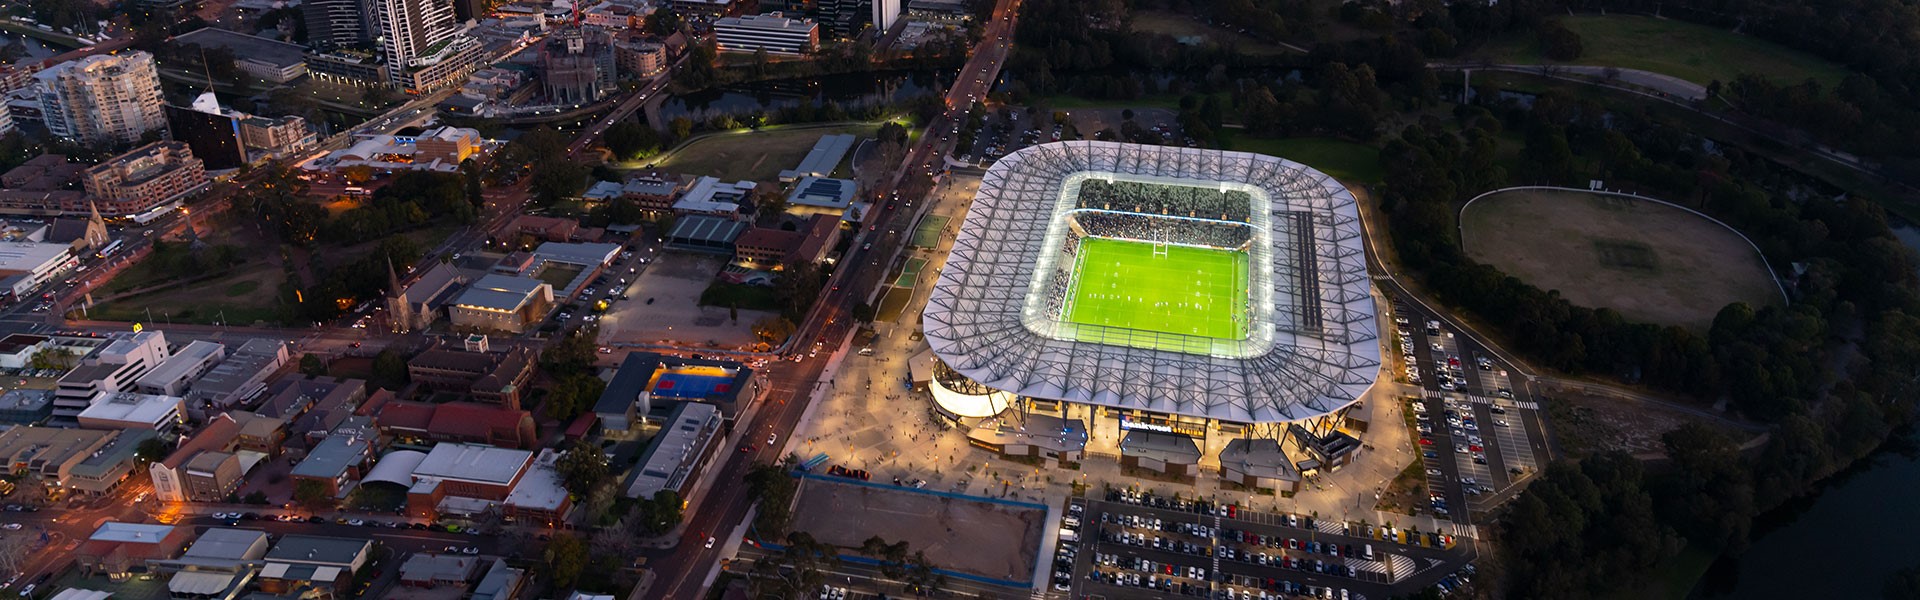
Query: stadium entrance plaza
[[868, 418]]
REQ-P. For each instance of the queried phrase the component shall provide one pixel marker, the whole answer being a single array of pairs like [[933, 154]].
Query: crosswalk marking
[[1466, 531], [1330, 526], [1402, 567]]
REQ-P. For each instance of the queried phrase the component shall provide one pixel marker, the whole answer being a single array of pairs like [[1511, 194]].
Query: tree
[[52, 358], [573, 394], [152, 450], [680, 127], [312, 366], [663, 21], [312, 494], [257, 498], [1558, 42], [390, 369], [573, 354], [582, 468], [661, 513], [773, 329], [566, 558], [772, 486], [629, 140]]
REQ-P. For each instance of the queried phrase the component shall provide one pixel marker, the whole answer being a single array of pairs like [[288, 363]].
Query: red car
[[1233, 512], [745, 448], [1426, 441], [1475, 448]]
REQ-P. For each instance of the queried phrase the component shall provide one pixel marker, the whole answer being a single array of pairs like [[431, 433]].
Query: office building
[[178, 371], [348, 66], [25, 266], [674, 457], [278, 137], [133, 410], [242, 375], [147, 177], [113, 367], [772, 32], [115, 549], [638, 58], [312, 565], [103, 98], [464, 479], [335, 24], [267, 60]]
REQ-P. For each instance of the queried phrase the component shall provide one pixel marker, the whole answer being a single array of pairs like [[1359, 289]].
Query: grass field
[[753, 155], [1696, 53], [1346, 161], [242, 298], [1185, 26], [1187, 291], [1653, 263]]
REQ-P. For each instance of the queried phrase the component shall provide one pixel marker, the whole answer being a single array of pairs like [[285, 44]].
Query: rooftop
[[29, 256], [130, 407], [496, 292], [313, 549], [222, 543], [670, 457], [183, 363], [541, 487], [246, 47], [822, 192], [138, 533], [343, 448], [707, 229], [473, 462], [823, 158]]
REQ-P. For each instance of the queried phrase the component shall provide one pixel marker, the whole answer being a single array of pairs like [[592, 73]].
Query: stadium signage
[[1130, 422]]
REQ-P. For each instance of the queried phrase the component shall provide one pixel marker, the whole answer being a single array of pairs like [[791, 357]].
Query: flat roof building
[[821, 194], [133, 410], [541, 495], [271, 60], [178, 371], [465, 479], [682, 447], [326, 563], [772, 32], [710, 196], [35, 263], [502, 303], [644, 376], [341, 458], [241, 376], [706, 233], [110, 98]]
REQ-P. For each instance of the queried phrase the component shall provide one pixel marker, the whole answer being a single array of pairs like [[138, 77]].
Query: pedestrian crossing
[[1432, 394], [1465, 531], [1330, 526], [1402, 567]]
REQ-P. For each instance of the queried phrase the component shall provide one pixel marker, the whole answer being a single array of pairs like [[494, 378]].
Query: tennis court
[[1161, 288], [927, 235]]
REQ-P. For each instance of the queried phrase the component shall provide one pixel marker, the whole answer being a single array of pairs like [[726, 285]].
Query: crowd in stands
[[1161, 199], [1160, 230]]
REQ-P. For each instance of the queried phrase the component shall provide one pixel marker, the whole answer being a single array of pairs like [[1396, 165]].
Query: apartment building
[[104, 98]]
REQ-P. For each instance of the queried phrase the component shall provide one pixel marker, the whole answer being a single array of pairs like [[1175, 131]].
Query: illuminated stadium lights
[[1007, 310]]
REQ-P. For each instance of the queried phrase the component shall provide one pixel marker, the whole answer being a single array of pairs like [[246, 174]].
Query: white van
[[1069, 535], [1369, 552]]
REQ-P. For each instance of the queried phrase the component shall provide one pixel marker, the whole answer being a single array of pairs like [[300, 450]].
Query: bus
[[109, 250]]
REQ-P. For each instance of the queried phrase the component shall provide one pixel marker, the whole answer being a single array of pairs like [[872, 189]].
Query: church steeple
[[393, 280]]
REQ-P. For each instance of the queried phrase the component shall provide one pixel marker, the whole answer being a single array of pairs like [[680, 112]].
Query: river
[[35, 48], [1842, 542]]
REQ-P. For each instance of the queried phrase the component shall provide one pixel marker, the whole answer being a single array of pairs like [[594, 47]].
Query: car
[[11, 526], [1430, 454], [709, 542], [772, 438], [1434, 472], [1426, 441], [1499, 423], [356, 522], [470, 550], [1476, 448], [1460, 448], [747, 448]]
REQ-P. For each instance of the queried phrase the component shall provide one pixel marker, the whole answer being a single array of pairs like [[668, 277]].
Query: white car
[[709, 542]]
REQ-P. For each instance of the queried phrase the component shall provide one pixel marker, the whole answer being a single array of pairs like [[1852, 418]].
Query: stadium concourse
[[1186, 310]]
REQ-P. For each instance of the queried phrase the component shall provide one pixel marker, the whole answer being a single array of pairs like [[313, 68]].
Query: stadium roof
[[1313, 346]]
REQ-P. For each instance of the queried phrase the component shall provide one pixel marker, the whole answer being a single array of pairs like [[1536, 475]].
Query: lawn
[[1652, 262], [1186, 26], [753, 155], [242, 298], [1164, 289], [1346, 161], [1696, 53], [559, 275]]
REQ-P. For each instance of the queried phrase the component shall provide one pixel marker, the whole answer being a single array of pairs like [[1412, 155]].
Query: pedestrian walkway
[[1465, 531]]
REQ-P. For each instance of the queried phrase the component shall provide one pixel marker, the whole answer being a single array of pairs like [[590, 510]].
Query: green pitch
[[1188, 291]]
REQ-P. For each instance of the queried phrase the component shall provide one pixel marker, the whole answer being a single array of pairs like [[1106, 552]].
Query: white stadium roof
[[1313, 344]]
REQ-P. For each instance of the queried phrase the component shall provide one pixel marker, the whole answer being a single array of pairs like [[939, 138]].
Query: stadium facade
[[1050, 344]]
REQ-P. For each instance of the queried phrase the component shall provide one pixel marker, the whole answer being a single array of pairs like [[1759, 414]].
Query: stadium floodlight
[[1213, 284]]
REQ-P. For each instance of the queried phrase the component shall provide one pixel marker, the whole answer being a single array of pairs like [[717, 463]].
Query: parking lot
[[1138, 546], [1473, 426]]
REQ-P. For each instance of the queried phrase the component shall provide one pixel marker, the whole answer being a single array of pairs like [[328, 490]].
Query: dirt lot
[[969, 536], [1585, 424], [1651, 262]]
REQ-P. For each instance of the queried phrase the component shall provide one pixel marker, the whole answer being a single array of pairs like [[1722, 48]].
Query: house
[[427, 570]]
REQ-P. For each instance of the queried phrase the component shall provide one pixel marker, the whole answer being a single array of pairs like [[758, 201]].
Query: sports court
[[927, 235], [692, 382], [1162, 288]]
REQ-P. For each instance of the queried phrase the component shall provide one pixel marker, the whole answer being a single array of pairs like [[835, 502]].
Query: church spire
[[393, 279]]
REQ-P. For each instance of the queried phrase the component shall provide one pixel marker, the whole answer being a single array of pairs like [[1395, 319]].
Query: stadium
[[1181, 308]]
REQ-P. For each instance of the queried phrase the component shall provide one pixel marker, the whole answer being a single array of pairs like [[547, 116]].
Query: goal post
[[1159, 248]]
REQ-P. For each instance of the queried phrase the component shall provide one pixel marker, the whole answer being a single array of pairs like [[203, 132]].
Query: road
[[626, 108], [683, 572]]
